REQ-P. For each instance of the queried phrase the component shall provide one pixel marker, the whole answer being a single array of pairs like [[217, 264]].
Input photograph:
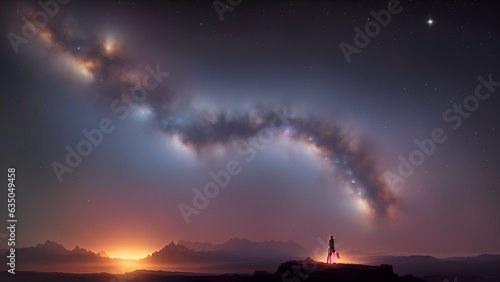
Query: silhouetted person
[[331, 249]]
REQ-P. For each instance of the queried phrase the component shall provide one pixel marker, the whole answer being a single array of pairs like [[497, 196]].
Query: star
[[430, 21]]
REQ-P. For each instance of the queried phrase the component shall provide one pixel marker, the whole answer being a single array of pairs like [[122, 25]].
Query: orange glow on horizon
[[121, 244], [343, 259], [128, 254], [128, 265]]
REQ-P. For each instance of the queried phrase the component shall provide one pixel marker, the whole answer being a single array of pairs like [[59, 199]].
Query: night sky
[[289, 124]]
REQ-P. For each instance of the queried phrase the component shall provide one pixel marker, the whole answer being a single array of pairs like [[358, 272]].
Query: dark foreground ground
[[293, 271]]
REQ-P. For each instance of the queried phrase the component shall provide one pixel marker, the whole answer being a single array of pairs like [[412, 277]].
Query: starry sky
[[372, 121]]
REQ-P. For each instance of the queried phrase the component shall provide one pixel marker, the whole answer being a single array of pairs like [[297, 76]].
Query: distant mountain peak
[[78, 250], [238, 246], [51, 245], [171, 248], [309, 259]]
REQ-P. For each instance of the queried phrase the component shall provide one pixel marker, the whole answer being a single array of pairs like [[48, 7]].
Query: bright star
[[430, 21]]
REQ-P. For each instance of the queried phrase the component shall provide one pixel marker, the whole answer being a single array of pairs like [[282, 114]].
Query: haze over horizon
[[263, 112], [349, 255]]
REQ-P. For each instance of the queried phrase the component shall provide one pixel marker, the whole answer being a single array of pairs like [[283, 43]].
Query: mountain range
[[247, 248], [237, 256]]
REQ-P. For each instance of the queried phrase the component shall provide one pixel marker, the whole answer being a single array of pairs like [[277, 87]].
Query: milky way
[[101, 63]]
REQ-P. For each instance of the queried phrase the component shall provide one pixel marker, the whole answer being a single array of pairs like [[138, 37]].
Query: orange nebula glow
[[110, 46]]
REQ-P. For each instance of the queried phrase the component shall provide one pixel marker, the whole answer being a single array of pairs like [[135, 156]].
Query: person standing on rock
[[331, 249]]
